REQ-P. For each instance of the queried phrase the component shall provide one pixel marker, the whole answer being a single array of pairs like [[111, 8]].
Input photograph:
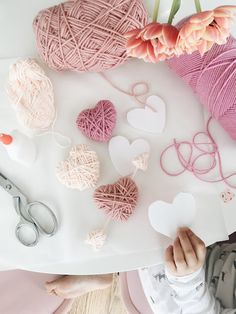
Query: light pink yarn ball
[[87, 35], [117, 200]]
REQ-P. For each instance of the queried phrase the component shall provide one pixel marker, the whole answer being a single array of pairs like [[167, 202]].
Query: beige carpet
[[106, 301]]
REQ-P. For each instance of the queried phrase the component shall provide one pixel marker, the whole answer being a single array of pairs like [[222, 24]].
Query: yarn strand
[[189, 164], [132, 93]]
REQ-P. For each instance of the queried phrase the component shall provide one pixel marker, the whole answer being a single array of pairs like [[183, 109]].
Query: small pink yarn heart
[[98, 123], [117, 200]]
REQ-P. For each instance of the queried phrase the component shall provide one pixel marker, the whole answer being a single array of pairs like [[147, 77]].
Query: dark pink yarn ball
[[117, 200], [87, 35], [213, 78], [98, 123]]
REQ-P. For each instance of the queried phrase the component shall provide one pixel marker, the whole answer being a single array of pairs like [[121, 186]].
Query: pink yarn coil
[[117, 200], [87, 35], [98, 123], [213, 79], [199, 150]]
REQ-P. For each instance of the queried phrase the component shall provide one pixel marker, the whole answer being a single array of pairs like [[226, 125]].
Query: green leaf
[[174, 9]]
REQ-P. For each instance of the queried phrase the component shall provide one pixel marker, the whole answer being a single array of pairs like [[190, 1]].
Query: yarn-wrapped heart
[[80, 170], [87, 35], [98, 123], [117, 200]]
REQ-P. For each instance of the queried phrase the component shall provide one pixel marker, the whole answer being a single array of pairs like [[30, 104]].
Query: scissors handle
[[26, 231], [39, 224]]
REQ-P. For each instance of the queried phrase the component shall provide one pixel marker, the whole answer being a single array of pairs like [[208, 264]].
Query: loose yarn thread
[[213, 79], [189, 163], [31, 94], [99, 122], [134, 91], [80, 170], [87, 35]]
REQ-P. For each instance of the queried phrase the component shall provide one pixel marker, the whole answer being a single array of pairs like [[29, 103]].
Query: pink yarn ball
[[99, 122], [87, 35], [213, 79], [117, 200]]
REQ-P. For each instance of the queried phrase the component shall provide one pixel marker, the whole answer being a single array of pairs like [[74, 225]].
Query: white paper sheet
[[76, 211]]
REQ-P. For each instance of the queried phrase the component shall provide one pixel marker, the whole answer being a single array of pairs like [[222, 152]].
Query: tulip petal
[[189, 28], [202, 17], [150, 52], [170, 35], [152, 31], [211, 33], [132, 33], [225, 11], [141, 50], [222, 22], [132, 43]]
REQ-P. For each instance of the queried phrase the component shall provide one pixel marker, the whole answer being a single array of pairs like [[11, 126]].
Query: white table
[[130, 245]]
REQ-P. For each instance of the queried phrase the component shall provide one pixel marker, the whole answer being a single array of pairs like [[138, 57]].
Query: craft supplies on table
[[133, 243], [19, 147], [31, 224]]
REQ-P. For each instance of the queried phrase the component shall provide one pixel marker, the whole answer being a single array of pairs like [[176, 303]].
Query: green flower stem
[[198, 6], [174, 9], [155, 10]]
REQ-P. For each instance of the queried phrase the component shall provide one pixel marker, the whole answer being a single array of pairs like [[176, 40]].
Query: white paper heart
[[122, 153], [146, 119], [166, 218]]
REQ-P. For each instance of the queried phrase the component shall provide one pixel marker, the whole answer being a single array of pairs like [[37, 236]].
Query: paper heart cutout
[[117, 200], [80, 170], [98, 123], [146, 119], [123, 153], [165, 218]]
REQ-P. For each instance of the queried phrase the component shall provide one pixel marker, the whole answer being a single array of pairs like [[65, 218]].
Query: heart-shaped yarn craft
[[152, 118], [98, 123], [166, 218], [117, 200], [87, 35], [80, 170]]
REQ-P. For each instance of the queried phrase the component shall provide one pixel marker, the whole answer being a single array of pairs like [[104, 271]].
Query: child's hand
[[186, 255]]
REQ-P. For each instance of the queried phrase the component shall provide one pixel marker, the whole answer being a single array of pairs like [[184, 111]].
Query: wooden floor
[[106, 301]]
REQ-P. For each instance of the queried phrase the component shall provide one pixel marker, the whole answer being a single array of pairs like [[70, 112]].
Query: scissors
[[32, 215]]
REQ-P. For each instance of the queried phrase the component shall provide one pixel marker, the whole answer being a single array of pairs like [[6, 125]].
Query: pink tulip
[[155, 42], [203, 29]]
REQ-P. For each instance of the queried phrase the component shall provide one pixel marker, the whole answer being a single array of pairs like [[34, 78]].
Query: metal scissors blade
[[16, 193], [11, 188]]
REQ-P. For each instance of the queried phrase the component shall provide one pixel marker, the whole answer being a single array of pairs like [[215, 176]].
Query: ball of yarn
[[117, 200], [99, 122], [80, 170], [213, 79], [87, 35], [96, 239], [31, 92]]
